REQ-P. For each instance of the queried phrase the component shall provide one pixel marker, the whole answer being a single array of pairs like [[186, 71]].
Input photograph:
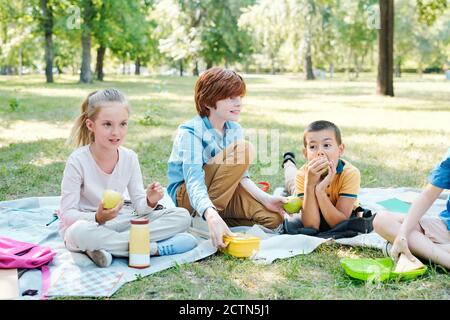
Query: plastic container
[[139, 250], [242, 245], [264, 186], [381, 269]]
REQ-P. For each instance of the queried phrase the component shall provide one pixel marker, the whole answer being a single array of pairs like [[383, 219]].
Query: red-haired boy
[[207, 169]]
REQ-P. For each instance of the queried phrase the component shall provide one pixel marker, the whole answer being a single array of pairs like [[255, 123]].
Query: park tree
[[266, 22], [286, 31], [302, 23], [17, 37], [385, 81], [431, 43], [325, 44], [102, 31], [88, 14], [195, 14], [222, 42], [179, 26], [356, 33], [144, 43], [428, 11], [123, 27], [309, 15], [66, 33], [46, 21], [405, 29]]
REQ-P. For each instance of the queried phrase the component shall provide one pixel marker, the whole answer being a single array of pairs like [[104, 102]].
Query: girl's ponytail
[[80, 135]]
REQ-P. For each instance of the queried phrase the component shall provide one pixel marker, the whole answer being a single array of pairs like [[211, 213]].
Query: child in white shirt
[[101, 163]]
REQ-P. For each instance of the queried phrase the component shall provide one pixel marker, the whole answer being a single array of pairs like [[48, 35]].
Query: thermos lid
[[139, 221]]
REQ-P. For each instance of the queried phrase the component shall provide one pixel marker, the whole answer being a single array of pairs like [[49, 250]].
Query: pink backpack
[[17, 254]]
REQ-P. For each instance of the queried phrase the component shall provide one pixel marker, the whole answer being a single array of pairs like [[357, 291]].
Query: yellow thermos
[[139, 251]]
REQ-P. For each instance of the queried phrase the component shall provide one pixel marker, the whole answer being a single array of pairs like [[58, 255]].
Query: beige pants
[[113, 236], [435, 229], [234, 204]]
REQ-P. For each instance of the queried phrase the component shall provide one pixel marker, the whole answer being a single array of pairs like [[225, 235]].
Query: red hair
[[217, 84]]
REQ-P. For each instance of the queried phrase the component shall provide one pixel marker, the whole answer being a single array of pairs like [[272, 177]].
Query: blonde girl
[[100, 162]]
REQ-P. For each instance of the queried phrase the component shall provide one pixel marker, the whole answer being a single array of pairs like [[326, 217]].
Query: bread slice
[[405, 265]]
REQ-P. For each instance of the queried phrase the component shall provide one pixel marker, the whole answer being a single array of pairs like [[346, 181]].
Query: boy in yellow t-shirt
[[327, 184]]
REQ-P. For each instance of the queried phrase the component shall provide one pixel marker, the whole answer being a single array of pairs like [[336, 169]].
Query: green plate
[[380, 269], [368, 269]]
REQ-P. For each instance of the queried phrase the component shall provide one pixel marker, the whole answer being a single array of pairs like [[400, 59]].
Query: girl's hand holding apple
[[103, 215]]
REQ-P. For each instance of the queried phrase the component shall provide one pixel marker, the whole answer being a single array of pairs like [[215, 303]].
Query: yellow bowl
[[242, 245]]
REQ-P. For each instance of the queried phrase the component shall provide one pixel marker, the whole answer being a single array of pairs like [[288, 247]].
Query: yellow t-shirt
[[346, 183]]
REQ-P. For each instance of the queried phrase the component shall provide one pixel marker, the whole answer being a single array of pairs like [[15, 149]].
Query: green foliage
[[263, 35], [429, 10], [152, 116], [13, 104], [222, 40]]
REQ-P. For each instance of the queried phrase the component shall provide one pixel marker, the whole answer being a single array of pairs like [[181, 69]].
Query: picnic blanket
[[397, 200], [280, 246], [74, 274]]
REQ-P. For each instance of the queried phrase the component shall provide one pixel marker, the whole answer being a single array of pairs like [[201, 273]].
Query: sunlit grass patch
[[394, 142]]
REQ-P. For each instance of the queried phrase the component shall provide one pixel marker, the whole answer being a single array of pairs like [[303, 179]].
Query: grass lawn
[[394, 142]]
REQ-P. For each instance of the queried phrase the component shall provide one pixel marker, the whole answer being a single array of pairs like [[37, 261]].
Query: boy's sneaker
[[387, 249], [101, 258], [288, 156], [179, 243]]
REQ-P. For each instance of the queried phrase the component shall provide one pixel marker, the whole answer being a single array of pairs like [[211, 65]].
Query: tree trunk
[[331, 70], [348, 69], [99, 65], [6, 70], [357, 66], [209, 64], [309, 74], [308, 65], [58, 67], [181, 67], [20, 62], [385, 79], [398, 68], [195, 71], [137, 66], [47, 25], [88, 14], [272, 65]]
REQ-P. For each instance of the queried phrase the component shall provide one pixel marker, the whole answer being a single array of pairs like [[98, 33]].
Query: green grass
[[393, 141]]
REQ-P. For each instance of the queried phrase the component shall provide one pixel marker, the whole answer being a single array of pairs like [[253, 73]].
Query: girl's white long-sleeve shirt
[[84, 182]]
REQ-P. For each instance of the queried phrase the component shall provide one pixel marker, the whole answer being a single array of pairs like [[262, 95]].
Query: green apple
[[111, 199], [293, 205], [325, 173]]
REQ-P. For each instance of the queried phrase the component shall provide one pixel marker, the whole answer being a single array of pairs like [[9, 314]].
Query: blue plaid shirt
[[440, 177], [195, 143]]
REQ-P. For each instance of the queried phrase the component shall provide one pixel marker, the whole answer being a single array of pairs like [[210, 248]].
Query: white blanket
[[74, 274]]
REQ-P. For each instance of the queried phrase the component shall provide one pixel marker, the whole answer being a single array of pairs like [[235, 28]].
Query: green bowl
[[380, 269], [368, 269]]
